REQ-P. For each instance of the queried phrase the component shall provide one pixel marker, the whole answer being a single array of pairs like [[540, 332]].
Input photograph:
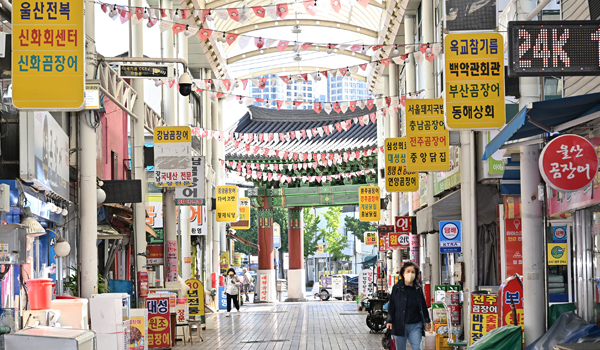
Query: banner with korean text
[[427, 139]]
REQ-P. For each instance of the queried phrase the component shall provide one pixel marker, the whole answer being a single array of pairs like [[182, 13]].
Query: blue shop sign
[[559, 234], [450, 237]]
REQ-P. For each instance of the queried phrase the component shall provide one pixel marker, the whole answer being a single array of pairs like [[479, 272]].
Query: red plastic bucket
[[39, 291], [181, 301]]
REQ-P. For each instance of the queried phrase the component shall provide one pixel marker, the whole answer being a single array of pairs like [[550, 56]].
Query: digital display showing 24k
[[539, 48]]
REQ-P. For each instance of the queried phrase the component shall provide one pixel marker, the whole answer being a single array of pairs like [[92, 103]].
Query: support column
[[137, 140], [219, 151], [296, 273], [394, 122], [217, 245], [184, 223], [468, 203], [534, 305], [265, 254], [88, 251], [409, 39], [427, 12]]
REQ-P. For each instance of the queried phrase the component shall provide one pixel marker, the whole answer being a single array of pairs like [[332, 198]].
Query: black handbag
[[386, 341]]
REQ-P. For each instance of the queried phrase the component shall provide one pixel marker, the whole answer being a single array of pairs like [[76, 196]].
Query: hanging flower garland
[[249, 166], [268, 176]]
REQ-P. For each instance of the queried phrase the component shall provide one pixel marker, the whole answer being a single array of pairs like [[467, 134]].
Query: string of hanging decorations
[[428, 50], [273, 167], [268, 176]]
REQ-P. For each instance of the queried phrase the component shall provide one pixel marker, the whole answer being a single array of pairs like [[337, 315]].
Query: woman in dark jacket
[[408, 316]]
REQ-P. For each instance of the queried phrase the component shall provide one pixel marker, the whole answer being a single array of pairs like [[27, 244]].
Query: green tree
[[336, 241], [250, 234], [280, 216], [311, 232], [357, 227]]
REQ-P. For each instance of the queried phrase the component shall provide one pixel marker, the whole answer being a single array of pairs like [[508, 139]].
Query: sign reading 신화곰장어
[[48, 55], [397, 178], [474, 75], [427, 139]]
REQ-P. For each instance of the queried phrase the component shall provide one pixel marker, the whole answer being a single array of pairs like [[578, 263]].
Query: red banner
[[159, 323], [514, 252]]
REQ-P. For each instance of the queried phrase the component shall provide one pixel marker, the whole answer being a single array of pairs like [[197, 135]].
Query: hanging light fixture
[[348, 72], [113, 13], [363, 51], [396, 50], [329, 50], [236, 84], [176, 17], [145, 16], [318, 76], [209, 17], [62, 248], [428, 49], [34, 229], [296, 29], [187, 30]]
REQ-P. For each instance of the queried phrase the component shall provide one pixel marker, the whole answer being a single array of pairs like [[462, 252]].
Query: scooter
[[377, 315]]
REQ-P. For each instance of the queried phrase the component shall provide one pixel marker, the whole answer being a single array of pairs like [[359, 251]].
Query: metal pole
[[409, 39], [214, 146], [88, 252], [184, 223], [137, 131], [394, 118], [219, 151]]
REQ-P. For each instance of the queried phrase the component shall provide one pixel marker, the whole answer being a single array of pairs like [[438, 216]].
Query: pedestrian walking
[[232, 289], [408, 317], [248, 280]]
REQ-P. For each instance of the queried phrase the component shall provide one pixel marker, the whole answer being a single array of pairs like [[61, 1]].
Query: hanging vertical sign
[[384, 238], [243, 222], [224, 262], [514, 247], [557, 254], [159, 322], [474, 81], [173, 156], [237, 259], [48, 55], [427, 139], [227, 203], [276, 235], [369, 203], [198, 224], [194, 193], [397, 178], [414, 248], [559, 234], [371, 238], [365, 283], [450, 237], [484, 315]]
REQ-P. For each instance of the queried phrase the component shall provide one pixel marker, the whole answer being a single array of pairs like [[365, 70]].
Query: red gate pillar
[[265, 284], [296, 272]]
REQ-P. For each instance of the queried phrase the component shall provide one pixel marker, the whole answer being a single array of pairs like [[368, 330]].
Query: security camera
[[185, 84]]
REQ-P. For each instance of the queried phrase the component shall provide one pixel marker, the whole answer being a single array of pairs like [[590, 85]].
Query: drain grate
[[352, 313], [264, 341]]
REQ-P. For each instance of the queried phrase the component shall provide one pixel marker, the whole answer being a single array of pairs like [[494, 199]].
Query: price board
[[369, 203], [474, 81], [243, 222], [553, 48], [159, 322], [227, 203], [48, 55], [427, 139], [371, 238], [397, 178], [173, 156]]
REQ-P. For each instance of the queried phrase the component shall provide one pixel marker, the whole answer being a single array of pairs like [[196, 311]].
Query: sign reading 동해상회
[[474, 81]]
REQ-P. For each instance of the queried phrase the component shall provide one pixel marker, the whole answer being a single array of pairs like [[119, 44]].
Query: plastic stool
[[186, 327], [199, 325]]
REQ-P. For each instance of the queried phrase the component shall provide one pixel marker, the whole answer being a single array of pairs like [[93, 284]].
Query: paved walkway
[[327, 325]]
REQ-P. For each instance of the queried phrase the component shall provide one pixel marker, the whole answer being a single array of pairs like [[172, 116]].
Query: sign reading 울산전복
[[48, 55], [474, 87], [568, 163]]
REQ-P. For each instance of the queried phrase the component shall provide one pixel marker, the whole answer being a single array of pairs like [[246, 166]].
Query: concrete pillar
[[184, 223], [211, 262], [219, 151], [265, 254], [296, 273], [217, 245], [88, 251], [394, 121], [409, 39], [468, 202], [427, 13]]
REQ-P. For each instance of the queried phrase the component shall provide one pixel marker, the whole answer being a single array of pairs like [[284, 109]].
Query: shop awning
[[547, 116], [449, 208], [371, 259], [149, 229], [243, 241]]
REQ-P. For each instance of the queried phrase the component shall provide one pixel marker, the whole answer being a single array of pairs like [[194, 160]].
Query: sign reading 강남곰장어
[[369, 203], [474, 74], [48, 55], [427, 139], [172, 156], [227, 203], [397, 178]]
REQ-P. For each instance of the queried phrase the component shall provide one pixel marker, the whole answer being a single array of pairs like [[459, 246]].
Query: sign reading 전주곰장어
[[427, 139]]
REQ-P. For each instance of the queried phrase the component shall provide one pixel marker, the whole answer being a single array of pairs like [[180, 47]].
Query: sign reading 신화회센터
[[48, 55], [369, 203], [397, 178], [172, 156], [474, 81], [568, 163], [427, 139]]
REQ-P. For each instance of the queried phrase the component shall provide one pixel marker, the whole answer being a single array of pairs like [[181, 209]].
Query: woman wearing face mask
[[408, 317], [232, 289]]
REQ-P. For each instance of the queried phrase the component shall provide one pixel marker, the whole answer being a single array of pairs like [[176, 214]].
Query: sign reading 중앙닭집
[[48, 55]]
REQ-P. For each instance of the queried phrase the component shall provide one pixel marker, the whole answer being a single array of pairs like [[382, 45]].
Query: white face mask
[[409, 276]]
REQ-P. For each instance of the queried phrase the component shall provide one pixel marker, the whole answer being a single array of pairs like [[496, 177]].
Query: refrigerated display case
[[110, 316], [51, 338]]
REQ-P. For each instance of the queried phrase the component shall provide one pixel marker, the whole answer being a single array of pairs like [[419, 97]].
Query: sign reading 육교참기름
[[474, 74], [369, 203], [427, 139], [48, 55], [397, 179]]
